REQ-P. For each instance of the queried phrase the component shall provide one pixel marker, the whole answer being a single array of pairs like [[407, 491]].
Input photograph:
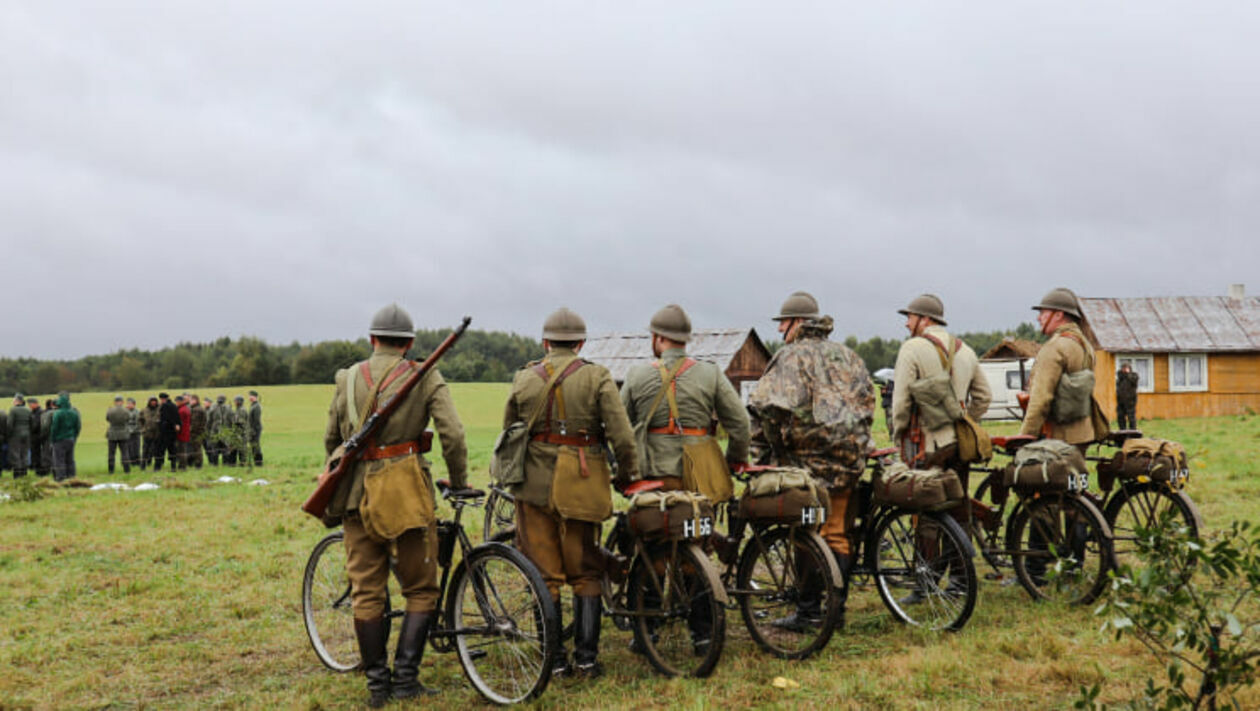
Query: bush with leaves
[[1186, 604]]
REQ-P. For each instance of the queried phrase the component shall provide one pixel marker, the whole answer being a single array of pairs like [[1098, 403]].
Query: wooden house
[[1195, 356], [738, 351]]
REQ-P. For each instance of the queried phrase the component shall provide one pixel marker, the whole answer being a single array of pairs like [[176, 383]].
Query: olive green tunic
[[1061, 354], [430, 399], [702, 391], [591, 404]]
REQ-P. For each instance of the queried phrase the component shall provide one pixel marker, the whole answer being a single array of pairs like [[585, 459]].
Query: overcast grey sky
[[185, 170]]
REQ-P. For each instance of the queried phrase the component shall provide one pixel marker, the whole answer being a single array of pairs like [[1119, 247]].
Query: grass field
[[188, 597]]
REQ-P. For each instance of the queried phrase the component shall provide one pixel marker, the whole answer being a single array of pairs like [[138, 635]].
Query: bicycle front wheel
[[504, 624], [1141, 506], [326, 606], [923, 569], [679, 620], [499, 523], [790, 591], [1061, 548]]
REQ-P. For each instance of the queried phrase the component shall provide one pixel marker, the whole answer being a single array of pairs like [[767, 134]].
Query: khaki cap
[[799, 305], [929, 305], [672, 323], [392, 321], [564, 325], [1060, 299]]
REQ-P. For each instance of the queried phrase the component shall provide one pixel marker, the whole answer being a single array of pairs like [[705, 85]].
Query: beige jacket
[[1061, 354], [430, 399], [918, 358]]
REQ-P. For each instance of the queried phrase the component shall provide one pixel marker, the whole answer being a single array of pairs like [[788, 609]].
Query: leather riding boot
[[373, 636], [411, 640], [845, 563], [562, 666], [589, 617]]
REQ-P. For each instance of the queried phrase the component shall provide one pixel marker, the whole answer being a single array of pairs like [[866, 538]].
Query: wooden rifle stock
[[339, 466]]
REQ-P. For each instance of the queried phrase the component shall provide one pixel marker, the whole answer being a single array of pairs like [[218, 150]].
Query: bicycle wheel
[[504, 624], [1137, 506], [781, 571], [499, 522], [1061, 547], [680, 618], [988, 535], [326, 606], [923, 569]]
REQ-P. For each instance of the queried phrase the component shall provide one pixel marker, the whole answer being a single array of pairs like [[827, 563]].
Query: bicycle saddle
[[641, 486], [1010, 443]]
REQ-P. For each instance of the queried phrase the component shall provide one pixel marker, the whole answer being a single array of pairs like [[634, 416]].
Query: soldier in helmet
[[565, 493], [813, 408], [926, 439], [1066, 353], [358, 389]]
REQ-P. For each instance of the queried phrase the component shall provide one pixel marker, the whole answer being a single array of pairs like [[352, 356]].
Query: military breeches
[[367, 565], [835, 530], [565, 551]]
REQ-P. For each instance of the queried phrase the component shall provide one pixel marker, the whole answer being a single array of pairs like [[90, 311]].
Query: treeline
[[480, 356], [879, 352]]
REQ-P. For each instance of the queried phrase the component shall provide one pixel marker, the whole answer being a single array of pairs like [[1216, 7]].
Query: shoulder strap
[[553, 379], [1089, 353], [667, 382], [947, 362], [352, 409]]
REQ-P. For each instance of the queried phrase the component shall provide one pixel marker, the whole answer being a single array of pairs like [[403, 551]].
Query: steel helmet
[[929, 305], [392, 321], [799, 305], [1060, 299], [564, 325], [672, 323]]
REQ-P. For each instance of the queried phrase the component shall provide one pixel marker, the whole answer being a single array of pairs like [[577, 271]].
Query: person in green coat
[[19, 436], [66, 425], [116, 435]]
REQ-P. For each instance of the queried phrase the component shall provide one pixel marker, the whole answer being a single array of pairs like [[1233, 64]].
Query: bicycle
[[781, 566], [1137, 503], [1058, 543], [498, 617], [919, 561]]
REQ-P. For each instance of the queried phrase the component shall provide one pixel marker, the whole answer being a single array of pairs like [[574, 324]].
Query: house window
[[1187, 372], [1144, 366]]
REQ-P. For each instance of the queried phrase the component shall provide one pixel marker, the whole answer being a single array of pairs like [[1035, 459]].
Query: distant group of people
[[177, 431], [185, 433]]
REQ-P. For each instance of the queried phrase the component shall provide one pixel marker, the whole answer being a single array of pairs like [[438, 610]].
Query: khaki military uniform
[[567, 440], [1063, 353], [814, 406], [919, 358], [700, 392], [367, 559]]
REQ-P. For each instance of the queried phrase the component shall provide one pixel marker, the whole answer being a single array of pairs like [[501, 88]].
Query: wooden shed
[[1195, 355], [738, 351]]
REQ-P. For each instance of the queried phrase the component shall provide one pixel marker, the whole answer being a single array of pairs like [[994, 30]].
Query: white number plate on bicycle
[[813, 516], [1078, 482], [698, 528], [1179, 478]]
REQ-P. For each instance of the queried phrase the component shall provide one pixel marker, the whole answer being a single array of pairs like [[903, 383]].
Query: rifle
[[338, 467]]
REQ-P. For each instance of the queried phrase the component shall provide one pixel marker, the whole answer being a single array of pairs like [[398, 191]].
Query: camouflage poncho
[[813, 407]]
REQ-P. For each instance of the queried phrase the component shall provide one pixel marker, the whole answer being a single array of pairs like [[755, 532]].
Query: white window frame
[[1172, 359], [1149, 385]]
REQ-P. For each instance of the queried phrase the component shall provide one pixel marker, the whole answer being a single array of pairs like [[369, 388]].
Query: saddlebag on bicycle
[[1146, 459], [786, 495], [1047, 465], [670, 515], [917, 489]]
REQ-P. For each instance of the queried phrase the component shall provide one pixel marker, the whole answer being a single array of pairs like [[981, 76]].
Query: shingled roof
[[619, 351], [1174, 324]]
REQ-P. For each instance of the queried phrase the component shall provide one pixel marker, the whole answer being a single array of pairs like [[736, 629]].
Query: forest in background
[[480, 356]]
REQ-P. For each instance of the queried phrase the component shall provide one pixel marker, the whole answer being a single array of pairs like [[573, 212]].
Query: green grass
[[188, 597]]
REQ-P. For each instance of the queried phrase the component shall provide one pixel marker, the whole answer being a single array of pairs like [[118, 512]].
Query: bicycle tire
[[923, 568], [505, 629], [326, 609], [779, 568], [1142, 505], [1061, 547], [499, 517], [677, 591], [990, 542]]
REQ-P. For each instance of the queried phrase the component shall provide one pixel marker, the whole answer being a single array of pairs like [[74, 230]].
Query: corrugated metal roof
[[619, 351], [1174, 324]]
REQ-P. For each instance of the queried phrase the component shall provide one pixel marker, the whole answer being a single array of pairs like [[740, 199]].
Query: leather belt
[[390, 451], [567, 439], [689, 431]]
